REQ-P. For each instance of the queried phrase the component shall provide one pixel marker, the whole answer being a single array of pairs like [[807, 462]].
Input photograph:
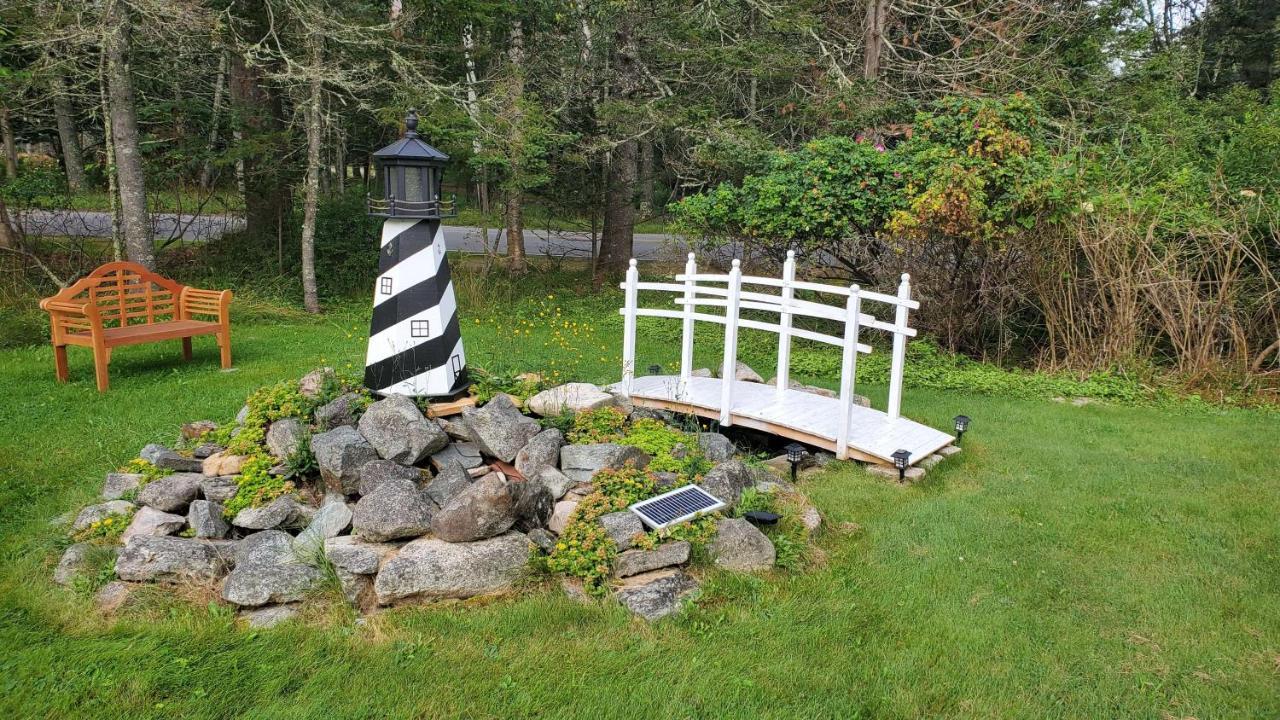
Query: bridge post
[[729, 369], [848, 368], [629, 329], [899, 349], [783, 375], [686, 337]]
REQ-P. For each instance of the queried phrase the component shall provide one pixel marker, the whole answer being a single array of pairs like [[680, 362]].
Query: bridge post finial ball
[[411, 123]]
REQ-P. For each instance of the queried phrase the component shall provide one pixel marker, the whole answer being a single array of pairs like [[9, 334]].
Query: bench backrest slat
[[126, 293]]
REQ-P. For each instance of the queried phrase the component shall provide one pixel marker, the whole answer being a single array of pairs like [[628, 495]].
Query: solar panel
[[676, 506]]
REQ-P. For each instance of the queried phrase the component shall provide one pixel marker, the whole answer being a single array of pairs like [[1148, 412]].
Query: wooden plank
[[453, 407]]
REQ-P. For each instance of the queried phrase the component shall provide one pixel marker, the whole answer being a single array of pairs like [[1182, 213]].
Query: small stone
[[101, 511], [621, 527], [376, 472], [556, 482], [499, 429], [484, 509], [582, 462], [657, 594], [460, 453], [169, 559], [330, 520], [112, 596], [242, 415], [743, 372], [949, 450], [270, 616], [634, 562], [351, 554], [163, 457], [570, 397], [206, 519], [666, 480], [398, 430], [396, 509], [543, 539], [274, 514], [701, 372], [313, 383], [451, 480], [560, 515], [219, 489], [928, 462], [198, 429], [149, 521], [741, 546], [223, 464], [79, 558], [204, 450], [810, 518], [431, 567], [543, 451], [284, 438], [340, 453], [341, 410], [455, 428], [117, 484], [171, 493], [716, 447]]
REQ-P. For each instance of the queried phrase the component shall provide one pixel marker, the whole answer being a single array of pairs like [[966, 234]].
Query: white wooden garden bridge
[[836, 424]]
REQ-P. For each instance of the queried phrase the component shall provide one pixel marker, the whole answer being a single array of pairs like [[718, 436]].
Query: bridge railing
[[696, 291]]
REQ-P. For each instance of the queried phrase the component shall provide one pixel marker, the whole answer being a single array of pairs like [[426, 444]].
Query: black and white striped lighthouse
[[415, 345]]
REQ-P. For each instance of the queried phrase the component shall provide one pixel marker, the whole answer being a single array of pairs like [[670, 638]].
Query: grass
[[1108, 560]]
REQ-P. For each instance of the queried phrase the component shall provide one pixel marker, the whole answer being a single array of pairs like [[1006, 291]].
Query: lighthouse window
[[385, 286], [419, 328]]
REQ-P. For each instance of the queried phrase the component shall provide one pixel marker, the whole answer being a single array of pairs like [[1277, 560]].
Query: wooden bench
[[123, 303]]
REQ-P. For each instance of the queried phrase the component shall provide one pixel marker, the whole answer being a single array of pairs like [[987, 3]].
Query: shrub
[[256, 486], [584, 550], [598, 426]]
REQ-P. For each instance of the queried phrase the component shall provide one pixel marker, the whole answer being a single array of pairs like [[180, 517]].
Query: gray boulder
[[395, 509], [499, 428], [554, 481], [79, 558], [582, 462], [219, 489], [542, 452], [743, 372], [206, 519], [270, 616], [204, 450], [727, 480], [433, 568], [171, 493], [340, 453], [715, 447], [268, 571], [621, 527], [465, 454], [149, 521], [398, 430], [485, 508], [349, 553], [634, 562], [282, 511], [101, 511], [451, 480], [339, 411], [163, 457], [117, 484], [170, 559], [314, 382], [544, 539], [330, 520], [657, 594], [455, 428], [739, 545], [285, 437], [570, 397], [533, 506], [376, 472]]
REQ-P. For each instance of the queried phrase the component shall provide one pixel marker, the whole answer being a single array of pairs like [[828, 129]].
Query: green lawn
[[1095, 561]]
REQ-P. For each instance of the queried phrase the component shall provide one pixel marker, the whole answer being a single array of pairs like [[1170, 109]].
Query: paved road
[[74, 223]]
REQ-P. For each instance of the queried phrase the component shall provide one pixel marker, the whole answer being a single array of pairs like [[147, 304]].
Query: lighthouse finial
[[411, 124]]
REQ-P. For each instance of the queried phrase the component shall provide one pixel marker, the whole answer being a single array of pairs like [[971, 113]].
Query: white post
[[629, 329], [899, 350], [848, 368], [783, 374], [729, 370], [686, 338]]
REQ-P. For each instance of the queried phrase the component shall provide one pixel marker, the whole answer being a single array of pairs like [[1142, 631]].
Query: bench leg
[[186, 348], [224, 344], [101, 359], [60, 369]]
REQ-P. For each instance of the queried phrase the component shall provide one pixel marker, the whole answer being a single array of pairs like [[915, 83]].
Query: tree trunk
[[266, 188], [619, 214], [646, 178], [315, 131], [219, 87], [109, 155], [873, 38], [10, 148], [516, 261], [8, 236], [473, 112], [67, 135], [130, 180]]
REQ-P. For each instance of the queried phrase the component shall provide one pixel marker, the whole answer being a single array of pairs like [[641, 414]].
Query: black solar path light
[[655, 369], [900, 460], [795, 453], [962, 424]]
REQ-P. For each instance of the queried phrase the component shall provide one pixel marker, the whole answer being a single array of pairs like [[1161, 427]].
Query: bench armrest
[[195, 301], [62, 307]]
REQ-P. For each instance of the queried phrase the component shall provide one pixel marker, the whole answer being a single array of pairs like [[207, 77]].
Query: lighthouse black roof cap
[[410, 147]]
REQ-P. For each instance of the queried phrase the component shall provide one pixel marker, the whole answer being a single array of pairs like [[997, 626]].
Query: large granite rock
[[163, 457], [739, 545], [285, 437], [219, 489], [715, 447], [170, 559], [350, 553], [499, 428], [268, 571], [270, 616], [395, 509], [283, 511], [149, 521], [534, 506], [433, 568], [376, 472], [101, 511], [621, 527], [398, 430], [329, 521], [554, 481], [727, 481], [582, 462], [634, 562], [340, 453], [206, 519], [451, 480], [571, 397], [466, 454], [485, 508], [342, 410], [172, 493], [117, 484], [542, 452], [657, 594]]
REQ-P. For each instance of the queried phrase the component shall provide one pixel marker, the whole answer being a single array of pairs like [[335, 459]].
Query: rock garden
[[317, 487]]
